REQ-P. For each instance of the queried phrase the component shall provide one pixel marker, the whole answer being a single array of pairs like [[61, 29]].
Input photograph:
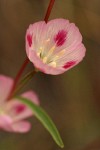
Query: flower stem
[[17, 78], [24, 81], [48, 12]]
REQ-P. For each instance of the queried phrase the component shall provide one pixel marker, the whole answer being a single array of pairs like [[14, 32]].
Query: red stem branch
[[48, 12], [18, 77]]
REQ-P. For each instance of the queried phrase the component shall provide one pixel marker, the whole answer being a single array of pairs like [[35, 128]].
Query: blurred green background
[[71, 99]]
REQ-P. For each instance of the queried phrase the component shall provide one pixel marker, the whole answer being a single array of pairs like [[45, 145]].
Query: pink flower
[[54, 47], [13, 112]]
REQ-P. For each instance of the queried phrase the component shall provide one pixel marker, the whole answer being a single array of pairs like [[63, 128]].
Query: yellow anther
[[40, 51], [53, 64], [51, 51], [61, 53], [55, 58], [41, 48], [44, 59], [38, 54]]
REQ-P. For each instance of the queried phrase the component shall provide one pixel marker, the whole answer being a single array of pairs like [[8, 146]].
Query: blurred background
[[71, 99]]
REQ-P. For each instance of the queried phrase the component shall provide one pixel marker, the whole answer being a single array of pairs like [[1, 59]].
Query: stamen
[[38, 54], [41, 49], [44, 59], [51, 51], [60, 54], [53, 64]]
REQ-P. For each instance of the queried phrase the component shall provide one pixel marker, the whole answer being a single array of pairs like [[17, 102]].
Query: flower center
[[50, 57]]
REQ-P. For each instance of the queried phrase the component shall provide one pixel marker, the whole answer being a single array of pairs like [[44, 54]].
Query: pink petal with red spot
[[74, 58], [29, 39], [60, 37], [36, 31], [69, 64], [5, 87], [19, 108], [19, 111], [13, 112]]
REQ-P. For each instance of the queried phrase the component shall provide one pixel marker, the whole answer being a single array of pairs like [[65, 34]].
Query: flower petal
[[32, 96], [5, 123], [18, 110], [5, 87], [21, 126], [35, 32], [75, 56]]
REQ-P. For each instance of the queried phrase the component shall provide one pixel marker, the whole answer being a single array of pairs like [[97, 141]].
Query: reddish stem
[[16, 80], [50, 6], [18, 77]]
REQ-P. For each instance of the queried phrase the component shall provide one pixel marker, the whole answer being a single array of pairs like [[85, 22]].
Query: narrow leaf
[[42, 116]]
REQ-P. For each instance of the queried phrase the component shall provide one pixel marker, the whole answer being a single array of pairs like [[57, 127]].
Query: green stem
[[24, 81]]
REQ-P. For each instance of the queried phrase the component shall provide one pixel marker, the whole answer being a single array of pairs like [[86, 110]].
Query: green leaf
[[42, 116]]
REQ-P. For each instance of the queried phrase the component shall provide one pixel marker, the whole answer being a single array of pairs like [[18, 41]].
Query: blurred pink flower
[[54, 47], [13, 112]]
